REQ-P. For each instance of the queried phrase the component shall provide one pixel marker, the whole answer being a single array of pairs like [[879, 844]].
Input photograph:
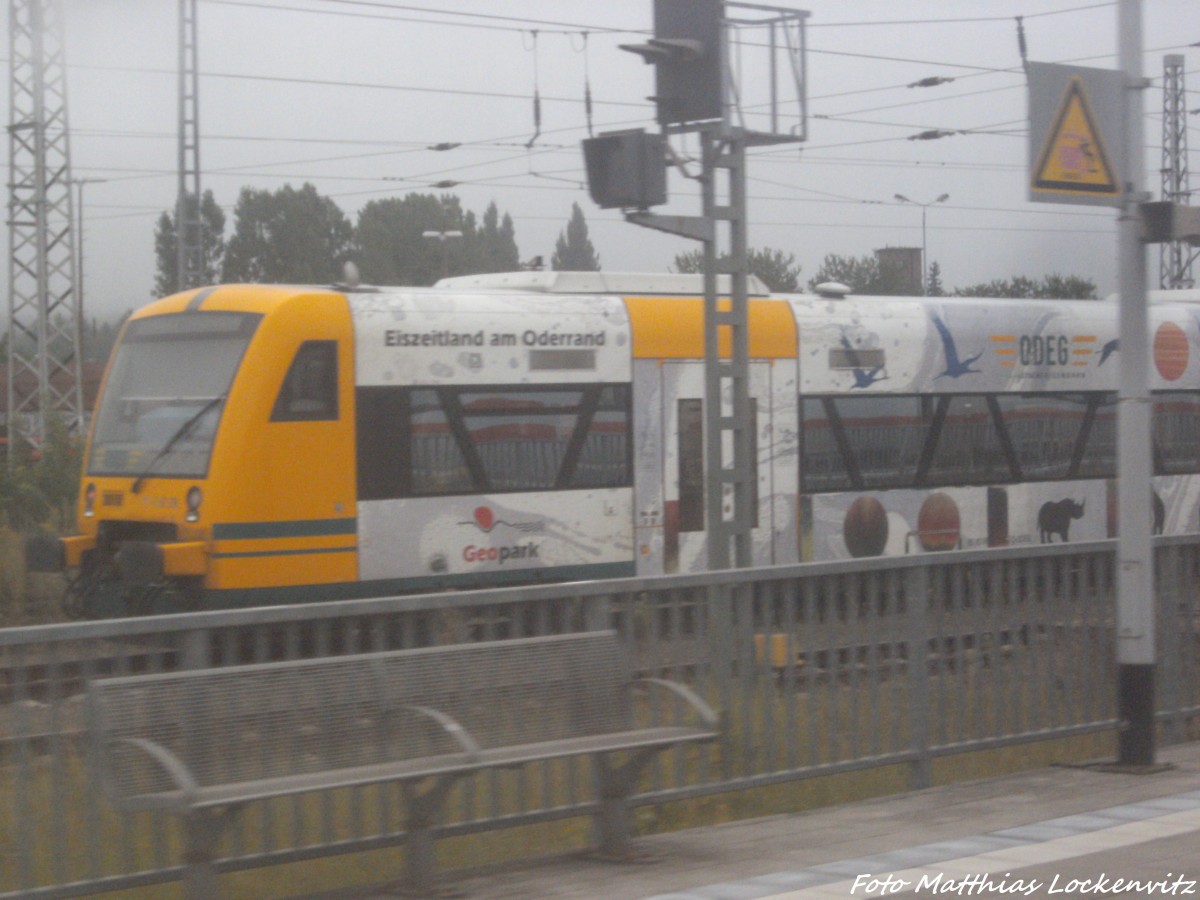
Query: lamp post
[[445, 237], [924, 207]]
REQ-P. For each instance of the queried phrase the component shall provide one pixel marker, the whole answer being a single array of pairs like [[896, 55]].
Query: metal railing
[[817, 669]]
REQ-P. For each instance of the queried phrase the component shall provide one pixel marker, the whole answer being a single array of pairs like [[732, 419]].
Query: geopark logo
[[485, 520]]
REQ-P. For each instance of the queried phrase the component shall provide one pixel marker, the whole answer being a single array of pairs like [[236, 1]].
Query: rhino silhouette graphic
[[1055, 518]]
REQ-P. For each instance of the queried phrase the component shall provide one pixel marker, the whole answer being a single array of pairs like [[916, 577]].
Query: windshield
[[161, 402]]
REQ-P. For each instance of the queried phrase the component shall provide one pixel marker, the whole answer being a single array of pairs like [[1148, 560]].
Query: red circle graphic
[[1170, 351], [938, 523]]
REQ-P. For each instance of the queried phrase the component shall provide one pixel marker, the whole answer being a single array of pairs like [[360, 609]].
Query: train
[[266, 444]]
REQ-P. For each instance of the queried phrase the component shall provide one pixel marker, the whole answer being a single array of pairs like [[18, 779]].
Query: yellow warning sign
[[1073, 159]]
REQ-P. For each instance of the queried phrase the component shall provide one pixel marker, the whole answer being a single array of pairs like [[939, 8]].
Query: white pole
[[1135, 560]]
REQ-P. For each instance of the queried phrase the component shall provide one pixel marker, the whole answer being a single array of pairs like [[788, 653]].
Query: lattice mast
[[189, 228], [1175, 258], [44, 368], [707, 83]]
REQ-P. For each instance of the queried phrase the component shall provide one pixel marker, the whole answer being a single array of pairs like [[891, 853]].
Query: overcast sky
[[348, 94]]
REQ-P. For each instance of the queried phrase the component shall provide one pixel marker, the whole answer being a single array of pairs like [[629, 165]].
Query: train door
[[684, 526]]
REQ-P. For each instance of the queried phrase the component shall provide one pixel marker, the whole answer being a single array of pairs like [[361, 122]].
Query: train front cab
[[220, 460]]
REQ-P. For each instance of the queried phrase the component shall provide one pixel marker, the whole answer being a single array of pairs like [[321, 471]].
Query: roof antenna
[[537, 97]]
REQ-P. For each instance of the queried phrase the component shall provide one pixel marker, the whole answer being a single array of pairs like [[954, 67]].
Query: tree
[[497, 243], [99, 338], [166, 276], [289, 236], [1050, 287], [1068, 287], [863, 275], [389, 242], [574, 251], [390, 246], [22, 506], [777, 270], [55, 476], [42, 483], [933, 282]]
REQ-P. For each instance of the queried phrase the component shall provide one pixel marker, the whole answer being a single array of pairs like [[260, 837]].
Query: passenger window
[[691, 465], [427, 442], [309, 393], [1177, 432], [970, 449]]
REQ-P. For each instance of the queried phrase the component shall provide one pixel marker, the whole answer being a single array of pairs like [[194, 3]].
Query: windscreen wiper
[[179, 434]]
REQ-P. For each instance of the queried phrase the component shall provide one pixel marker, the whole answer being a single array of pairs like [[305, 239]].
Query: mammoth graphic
[[1055, 518]]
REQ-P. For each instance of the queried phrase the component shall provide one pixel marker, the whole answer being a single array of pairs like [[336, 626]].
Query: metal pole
[[189, 227], [40, 218], [924, 242], [79, 183], [181, 249], [924, 250], [718, 543], [1135, 573]]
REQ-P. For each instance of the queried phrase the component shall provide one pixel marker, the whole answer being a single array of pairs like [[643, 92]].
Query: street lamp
[[924, 207], [445, 237]]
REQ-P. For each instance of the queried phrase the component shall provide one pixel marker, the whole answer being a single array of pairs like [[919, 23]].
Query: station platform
[[1058, 832]]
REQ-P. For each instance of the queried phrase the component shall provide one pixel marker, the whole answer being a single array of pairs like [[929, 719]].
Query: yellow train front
[[217, 409]]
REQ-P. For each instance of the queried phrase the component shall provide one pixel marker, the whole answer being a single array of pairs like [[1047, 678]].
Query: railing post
[[1169, 585], [596, 612], [719, 615], [193, 650], [201, 880], [916, 609]]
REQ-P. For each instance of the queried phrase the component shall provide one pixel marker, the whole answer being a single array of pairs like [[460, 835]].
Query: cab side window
[[309, 393]]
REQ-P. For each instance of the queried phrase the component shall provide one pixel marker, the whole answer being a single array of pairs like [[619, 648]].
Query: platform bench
[[202, 744]]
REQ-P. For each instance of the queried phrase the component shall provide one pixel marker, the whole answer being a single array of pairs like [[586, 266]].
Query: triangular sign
[[1073, 160]]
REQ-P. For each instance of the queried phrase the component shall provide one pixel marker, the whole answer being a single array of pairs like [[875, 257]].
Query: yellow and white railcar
[[268, 444]]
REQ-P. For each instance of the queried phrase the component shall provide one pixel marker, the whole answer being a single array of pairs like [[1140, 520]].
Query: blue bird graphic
[[862, 377], [955, 368], [1108, 350]]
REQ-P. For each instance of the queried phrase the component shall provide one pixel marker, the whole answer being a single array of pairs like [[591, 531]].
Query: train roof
[[692, 285], [625, 283]]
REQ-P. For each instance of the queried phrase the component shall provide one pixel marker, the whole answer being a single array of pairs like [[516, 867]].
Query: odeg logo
[[1044, 350]]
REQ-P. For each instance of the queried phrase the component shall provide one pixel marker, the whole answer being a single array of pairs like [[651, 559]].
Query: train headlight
[[194, 498], [89, 500]]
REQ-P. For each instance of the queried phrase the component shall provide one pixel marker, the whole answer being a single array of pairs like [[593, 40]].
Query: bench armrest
[[174, 768], [461, 736], [710, 718]]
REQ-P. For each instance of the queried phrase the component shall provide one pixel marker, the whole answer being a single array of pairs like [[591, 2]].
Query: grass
[[25, 599], [12, 577]]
